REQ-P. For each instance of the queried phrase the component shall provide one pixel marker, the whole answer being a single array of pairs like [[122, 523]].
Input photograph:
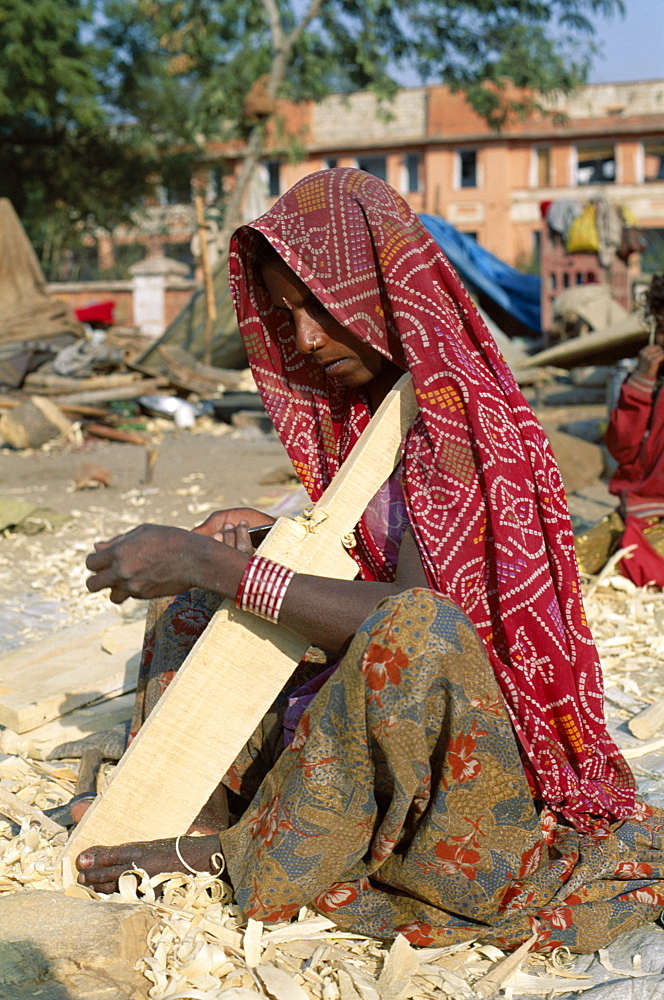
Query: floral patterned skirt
[[401, 804]]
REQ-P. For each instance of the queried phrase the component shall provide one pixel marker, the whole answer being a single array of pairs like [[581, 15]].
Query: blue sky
[[633, 46]]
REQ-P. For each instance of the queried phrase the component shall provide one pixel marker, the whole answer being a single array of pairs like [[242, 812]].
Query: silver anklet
[[218, 860]]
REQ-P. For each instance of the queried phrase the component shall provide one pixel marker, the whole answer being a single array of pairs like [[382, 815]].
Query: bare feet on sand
[[100, 867]]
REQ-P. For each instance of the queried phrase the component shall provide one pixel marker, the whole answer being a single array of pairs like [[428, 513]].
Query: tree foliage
[[95, 95], [203, 55], [63, 163]]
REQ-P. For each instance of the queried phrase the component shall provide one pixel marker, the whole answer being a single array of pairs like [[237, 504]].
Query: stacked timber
[[62, 689]]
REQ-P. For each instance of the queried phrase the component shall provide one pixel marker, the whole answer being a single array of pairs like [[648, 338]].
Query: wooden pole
[[240, 663], [208, 278]]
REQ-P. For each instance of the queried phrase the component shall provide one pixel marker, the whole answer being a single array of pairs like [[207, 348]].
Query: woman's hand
[[216, 522], [650, 358], [149, 561], [237, 536]]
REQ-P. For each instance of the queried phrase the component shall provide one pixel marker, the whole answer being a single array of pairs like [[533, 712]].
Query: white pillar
[[149, 280]]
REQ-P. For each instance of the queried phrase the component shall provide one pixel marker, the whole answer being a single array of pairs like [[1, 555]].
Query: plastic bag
[[582, 236]]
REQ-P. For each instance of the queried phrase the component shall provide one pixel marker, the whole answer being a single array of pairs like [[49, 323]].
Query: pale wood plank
[[239, 665], [76, 725], [54, 676], [647, 723]]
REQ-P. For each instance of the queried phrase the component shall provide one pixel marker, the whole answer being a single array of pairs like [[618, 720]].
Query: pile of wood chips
[[201, 946]]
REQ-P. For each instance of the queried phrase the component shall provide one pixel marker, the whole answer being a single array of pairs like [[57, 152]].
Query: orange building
[[432, 147], [447, 161]]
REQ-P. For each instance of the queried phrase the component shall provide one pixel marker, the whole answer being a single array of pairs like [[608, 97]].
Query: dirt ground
[[42, 576]]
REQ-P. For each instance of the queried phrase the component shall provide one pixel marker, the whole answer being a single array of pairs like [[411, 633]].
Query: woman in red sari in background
[[450, 777], [635, 438]]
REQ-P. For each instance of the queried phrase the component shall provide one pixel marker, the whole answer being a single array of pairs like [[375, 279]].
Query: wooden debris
[[90, 476], [51, 677], [151, 456], [633, 753], [279, 984], [489, 984], [186, 372], [132, 390], [101, 717], [56, 385], [33, 424], [601, 347], [645, 724], [15, 809], [208, 278], [397, 973], [115, 434]]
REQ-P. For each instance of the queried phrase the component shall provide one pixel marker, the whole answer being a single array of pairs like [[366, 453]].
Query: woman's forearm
[[325, 612], [153, 561], [328, 612]]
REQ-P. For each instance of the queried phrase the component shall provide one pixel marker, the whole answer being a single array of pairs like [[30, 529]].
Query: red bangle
[[263, 587], [242, 584]]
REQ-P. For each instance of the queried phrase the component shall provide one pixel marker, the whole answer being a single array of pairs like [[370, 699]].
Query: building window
[[411, 172], [331, 162], [273, 168], [376, 165], [467, 168], [653, 161], [542, 167], [595, 165], [536, 250]]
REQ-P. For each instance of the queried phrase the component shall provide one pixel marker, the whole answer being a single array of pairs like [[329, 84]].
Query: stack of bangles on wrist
[[263, 587]]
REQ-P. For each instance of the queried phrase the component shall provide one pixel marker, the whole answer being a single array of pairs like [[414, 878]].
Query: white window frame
[[589, 148], [456, 179], [405, 173], [369, 156]]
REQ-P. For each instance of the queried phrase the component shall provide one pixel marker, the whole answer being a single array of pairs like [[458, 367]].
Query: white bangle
[[217, 859]]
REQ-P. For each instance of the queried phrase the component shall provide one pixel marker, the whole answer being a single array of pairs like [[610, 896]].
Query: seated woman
[[451, 777], [635, 438]]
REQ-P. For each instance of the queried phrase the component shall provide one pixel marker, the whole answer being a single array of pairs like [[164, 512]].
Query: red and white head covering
[[483, 491]]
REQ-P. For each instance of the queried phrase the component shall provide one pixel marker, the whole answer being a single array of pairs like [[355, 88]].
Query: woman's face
[[339, 354]]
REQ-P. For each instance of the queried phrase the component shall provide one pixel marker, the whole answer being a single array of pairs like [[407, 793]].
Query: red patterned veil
[[483, 492]]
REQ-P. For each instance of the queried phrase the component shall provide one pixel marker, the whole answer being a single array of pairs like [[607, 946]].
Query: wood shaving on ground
[[201, 946], [628, 626]]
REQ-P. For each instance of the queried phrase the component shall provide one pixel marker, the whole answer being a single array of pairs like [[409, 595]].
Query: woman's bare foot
[[101, 867]]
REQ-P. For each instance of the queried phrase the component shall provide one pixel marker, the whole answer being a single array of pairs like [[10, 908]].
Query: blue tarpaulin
[[518, 294]]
